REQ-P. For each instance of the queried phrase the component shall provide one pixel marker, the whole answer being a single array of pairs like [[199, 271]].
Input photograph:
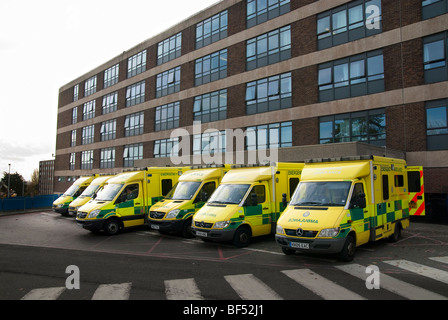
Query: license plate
[[155, 226], [299, 245], [201, 234]]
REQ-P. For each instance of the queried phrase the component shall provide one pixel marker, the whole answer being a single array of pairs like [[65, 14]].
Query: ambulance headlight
[[329, 233], [60, 205], [172, 214], [280, 229], [94, 213], [221, 225]]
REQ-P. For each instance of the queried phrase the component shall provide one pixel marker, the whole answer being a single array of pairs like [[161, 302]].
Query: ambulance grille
[[305, 233], [203, 225], [157, 215], [82, 215]]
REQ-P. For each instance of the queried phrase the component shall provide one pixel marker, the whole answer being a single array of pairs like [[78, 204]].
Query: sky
[[46, 44]]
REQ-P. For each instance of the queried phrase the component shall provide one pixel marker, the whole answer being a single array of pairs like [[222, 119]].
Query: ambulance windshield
[[183, 191], [71, 191], [229, 194], [90, 191], [109, 192], [324, 193]]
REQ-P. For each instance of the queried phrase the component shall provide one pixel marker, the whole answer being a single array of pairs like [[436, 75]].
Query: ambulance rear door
[[416, 191]]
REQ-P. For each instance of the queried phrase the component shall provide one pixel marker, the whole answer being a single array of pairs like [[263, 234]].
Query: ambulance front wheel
[[348, 251], [186, 229], [112, 227], [242, 237], [288, 251]]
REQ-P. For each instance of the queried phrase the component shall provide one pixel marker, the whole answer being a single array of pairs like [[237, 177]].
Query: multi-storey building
[[46, 177], [307, 78]]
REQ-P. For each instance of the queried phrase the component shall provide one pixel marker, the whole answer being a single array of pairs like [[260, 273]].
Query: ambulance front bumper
[[91, 225], [219, 235], [311, 245], [166, 226]]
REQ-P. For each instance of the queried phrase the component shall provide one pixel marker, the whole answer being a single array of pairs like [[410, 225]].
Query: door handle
[[265, 208], [137, 203]]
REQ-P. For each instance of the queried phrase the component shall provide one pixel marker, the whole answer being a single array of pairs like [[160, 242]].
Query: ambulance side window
[[258, 193], [167, 185], [414, 181], [358, 197], [129, 193], [79, 192], [205, 192], [293, 183], [385, 187]]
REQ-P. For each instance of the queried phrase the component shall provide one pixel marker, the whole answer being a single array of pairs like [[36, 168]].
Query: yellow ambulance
[[61, 204], [126, 198], [194, 188], [88, 194], [343, 203], [247, 203]]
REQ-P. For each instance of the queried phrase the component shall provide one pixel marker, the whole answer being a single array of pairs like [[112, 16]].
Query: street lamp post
[[9, 180]]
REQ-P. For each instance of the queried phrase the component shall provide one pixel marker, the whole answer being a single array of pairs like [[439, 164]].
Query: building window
[[169, 49], [134, 124], [110, 103], [90, 86], [88, 135], [270, 136], [111, 76], [168, 82], [132, 153], [166, 148], [210, 107], [211, 68], [108, 130], [137, 64], [107, 159], [437, 125], [269, 48], [433, 8], [167, 117], [76, 93], [72, 161], [211, 30], [269, 94], [73, 142], [435, 57], [135, 94], [367, 126], [351, 77], [87, 160], [259, 11], [209, 143], [89, 110], [349, 22], [75, 115]]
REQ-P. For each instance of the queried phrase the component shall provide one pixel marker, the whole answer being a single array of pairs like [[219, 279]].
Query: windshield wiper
[[307, 203]]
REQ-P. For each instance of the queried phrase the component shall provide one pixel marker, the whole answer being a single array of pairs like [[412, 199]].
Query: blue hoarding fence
[[27, 203]]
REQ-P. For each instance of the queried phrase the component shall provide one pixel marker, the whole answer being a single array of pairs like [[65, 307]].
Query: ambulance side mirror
[[284, 202]]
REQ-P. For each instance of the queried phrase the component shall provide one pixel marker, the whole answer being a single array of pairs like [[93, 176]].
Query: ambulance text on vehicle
[[247, 203], [61, 204], [126, 198], [343, 203], [175, 212]]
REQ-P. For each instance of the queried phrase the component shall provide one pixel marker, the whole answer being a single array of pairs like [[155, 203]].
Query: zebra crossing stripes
[[113, 292], [44, 294], [420, 269], [184, 289], [321, 286], [391, 284], [440, 259], [249, 287]]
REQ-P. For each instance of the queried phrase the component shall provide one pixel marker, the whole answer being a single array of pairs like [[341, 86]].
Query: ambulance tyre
[[288, 251], [186, 229], [348, 251], [112, 226], [241, 238], [397, 233]]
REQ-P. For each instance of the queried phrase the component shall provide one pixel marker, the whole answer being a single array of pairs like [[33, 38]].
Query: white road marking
[[44, 294], [421, 269], [391, 284], [249, 287], [321, 286], [182, 289], [113, 292]]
